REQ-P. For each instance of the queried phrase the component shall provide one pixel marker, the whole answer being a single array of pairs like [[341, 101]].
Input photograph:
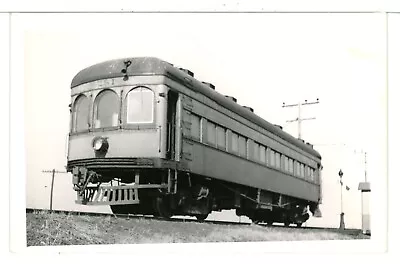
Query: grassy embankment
[[44, 229]]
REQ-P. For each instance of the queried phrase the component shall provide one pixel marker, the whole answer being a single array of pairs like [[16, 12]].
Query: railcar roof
[[155, 66]]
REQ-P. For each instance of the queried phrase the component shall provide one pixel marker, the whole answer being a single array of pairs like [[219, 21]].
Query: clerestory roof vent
[[212, 86], [187, 71], [249, 108], [232, 98], [311, 145]]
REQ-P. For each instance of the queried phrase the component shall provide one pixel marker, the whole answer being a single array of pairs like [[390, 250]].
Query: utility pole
[[299, 119], [342, 225], [365, 166], [53, 172]]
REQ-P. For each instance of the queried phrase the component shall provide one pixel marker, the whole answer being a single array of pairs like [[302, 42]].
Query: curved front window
[[140, 106], [106, 109], [81, 114]]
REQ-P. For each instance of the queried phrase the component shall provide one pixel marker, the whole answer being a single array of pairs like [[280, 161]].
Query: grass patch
[[47, 229]]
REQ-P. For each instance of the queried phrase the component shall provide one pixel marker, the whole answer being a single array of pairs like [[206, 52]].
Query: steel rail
[[184, 220]]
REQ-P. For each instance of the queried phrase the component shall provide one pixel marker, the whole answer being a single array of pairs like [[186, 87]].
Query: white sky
[[261, 59]]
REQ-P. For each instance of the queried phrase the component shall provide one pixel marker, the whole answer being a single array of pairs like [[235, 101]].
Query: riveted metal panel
[[235, 169], [122, 143]]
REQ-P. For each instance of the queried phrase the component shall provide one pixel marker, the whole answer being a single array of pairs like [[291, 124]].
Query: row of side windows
[[230, 141], [274, 159]]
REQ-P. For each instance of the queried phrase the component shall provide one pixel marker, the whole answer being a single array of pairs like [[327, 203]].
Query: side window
[[278, 160], [291, 166], [306, 172], [106, 109], [262, 154], [256, 151], [221, 137], [272, 158], [297, 169], [313, 178], [80, 114], [211, 133], [140, 106], [286, 164], [235, 142], [302, 170], [195, 126], [242, 146]]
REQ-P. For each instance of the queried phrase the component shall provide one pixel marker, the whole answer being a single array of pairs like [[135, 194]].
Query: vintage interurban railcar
[[148, 138]]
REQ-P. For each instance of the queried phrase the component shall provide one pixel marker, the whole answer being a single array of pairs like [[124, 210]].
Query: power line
[[53, 172], [299, 119]]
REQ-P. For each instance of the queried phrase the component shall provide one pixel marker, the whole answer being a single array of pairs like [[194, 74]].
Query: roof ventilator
[[249, 108], [278, 126], [232, 98], [187, 71], [212, 86]]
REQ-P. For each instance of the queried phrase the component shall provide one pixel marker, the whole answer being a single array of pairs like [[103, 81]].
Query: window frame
[[302, 171], [126, 108], [263, 153], [218, 129], [73, 129], [244, 139], [278, 160], [95, 108], [192, 117], [213, 129], [256, 151], [286, 163], [272, 157], [235, 135]]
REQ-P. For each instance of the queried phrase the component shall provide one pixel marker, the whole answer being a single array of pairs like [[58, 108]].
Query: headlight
[[100, 144]]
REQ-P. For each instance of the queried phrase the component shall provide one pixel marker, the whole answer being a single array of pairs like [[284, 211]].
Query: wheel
[[287, 223], [202, 217], [270, 223], [162, 208], [299, 224]]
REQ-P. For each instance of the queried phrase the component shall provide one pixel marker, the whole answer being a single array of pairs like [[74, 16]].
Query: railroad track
[[129, 216], [183, 220]]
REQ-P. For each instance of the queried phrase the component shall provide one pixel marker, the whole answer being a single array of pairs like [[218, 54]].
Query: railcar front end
[[121, 138]]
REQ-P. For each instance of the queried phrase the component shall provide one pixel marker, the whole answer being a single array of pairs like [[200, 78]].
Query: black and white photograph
[[220, 130]]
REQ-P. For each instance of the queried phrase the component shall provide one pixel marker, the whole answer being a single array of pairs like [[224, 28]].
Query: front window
[[106, 109], [81, 114], [140, 103]]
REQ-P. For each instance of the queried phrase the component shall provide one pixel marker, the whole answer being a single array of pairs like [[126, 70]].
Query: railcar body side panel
[[218, 163], [224, 166], [225, 117]]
